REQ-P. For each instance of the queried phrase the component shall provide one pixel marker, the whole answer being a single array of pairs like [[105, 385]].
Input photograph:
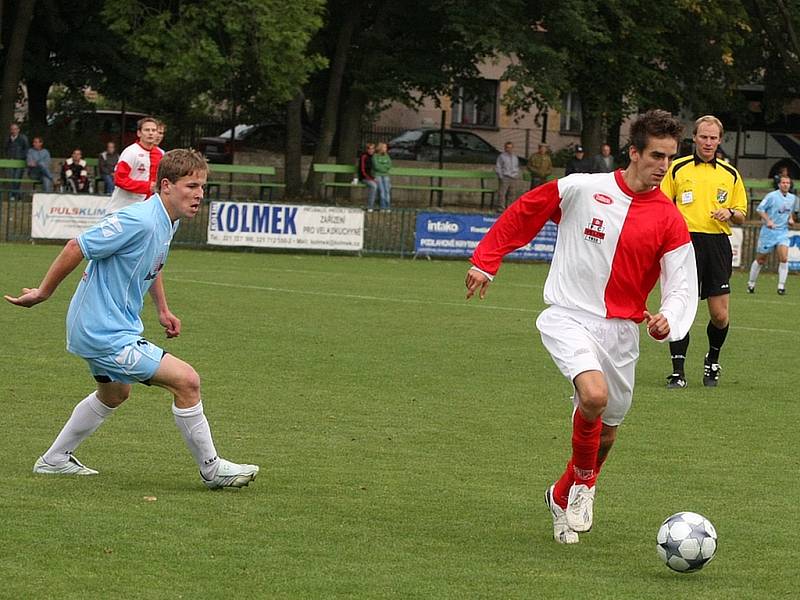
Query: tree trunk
[[37, 105], [592, 135], [293, 176], [13, 68], [335, 76], [350, 132]]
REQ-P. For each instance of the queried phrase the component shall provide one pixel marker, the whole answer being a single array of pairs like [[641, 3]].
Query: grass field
[[405, 438]]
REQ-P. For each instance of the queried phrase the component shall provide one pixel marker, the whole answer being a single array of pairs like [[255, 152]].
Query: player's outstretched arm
[[170, 323], [66, 262], [476, 281]]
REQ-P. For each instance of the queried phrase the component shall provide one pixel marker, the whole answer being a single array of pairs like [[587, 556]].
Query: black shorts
[[714, 263]]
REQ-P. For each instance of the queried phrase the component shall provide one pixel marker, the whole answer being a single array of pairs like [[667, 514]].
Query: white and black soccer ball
[[686, 541]]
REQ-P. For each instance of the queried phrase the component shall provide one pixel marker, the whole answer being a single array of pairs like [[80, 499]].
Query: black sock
[[677, 351], [716, 337]]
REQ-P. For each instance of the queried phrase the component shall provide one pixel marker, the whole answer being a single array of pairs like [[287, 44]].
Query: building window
[[476, 106], [571, 121]]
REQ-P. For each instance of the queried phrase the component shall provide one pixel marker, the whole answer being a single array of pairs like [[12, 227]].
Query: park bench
[[6, 181], [257, 179], [434, 181]]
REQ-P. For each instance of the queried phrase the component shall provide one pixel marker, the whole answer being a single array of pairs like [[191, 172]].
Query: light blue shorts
[[135, 362], [769, 239]]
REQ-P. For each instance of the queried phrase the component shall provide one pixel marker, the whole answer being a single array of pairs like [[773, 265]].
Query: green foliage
[[405, 441], [250, 53]]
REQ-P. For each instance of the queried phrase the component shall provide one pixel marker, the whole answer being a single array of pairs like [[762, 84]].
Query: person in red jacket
[[365, 175], [617, 235], [134, 176]]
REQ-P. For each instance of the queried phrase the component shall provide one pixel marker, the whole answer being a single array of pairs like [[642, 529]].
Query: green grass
[[405, 438]]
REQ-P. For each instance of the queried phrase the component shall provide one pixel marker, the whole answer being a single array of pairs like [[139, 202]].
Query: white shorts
[[579, 342]]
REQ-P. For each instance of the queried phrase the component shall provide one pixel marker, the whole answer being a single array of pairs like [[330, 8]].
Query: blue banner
[[452, 234]]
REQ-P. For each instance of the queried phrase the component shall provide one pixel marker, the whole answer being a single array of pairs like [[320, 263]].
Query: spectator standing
[[134, 177], [365, 174], [16, 148], [38, 161], [541, 166], [710, 195], [603, 162], [106, 163], [507, 169], [579, 163], [381, 166], [775, 211], [75, 175]]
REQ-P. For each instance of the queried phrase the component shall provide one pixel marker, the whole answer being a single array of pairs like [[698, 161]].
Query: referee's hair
[[654, 123], [708, 119], [180, 163]]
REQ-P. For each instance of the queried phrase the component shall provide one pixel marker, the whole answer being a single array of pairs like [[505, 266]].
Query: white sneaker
[[231, 475], [561, 530], [72, 467], [580, 507]]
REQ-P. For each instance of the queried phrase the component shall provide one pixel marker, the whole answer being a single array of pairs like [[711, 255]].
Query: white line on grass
[[416, 301]]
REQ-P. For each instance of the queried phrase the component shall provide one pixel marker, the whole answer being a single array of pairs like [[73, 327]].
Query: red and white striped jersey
[[135, 171], [612, 246]]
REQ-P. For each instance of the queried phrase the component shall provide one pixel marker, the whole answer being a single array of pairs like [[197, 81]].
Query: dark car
[[457, 146], [264, 136]]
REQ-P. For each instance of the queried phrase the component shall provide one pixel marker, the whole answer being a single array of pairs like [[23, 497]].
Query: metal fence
[[389, 233]]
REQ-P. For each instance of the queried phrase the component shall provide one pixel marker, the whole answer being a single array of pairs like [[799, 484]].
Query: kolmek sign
[[285, 226], [451, 234]]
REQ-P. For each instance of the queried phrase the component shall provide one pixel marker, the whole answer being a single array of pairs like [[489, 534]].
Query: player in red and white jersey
[[134, 175], [617, 235]]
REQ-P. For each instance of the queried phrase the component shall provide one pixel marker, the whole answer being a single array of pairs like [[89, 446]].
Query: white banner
[[64, 216], [736, 237], [285, 226]]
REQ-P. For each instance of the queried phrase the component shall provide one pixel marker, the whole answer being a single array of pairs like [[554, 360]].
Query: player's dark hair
[[654, 123], [180, 163]]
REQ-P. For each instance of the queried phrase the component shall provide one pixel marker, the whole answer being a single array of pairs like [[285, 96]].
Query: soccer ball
[[686, 541]]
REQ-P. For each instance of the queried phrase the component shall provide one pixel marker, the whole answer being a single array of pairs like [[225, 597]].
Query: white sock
[[755, 269], [195, 430], [783, 273], [86, 417]]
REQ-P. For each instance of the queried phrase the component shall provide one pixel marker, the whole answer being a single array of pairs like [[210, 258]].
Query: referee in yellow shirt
[[710, 195]]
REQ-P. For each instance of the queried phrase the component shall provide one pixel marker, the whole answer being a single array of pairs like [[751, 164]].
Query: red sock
[[585, 445], [561, 489]]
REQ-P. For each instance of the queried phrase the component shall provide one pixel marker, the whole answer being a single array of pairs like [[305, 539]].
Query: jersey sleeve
[[110, 236], [668, 185], [739, 200], [679, 291], [763, 206], [517, 226]]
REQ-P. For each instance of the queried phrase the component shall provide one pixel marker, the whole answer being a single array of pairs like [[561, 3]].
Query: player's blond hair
[[180, 163], [708, 119]]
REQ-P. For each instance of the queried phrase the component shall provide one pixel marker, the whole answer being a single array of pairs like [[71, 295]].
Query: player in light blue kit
[[126, 252], [775, 211]]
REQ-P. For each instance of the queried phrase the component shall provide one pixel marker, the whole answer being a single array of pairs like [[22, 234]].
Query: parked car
[[457, 146], [264, 136]]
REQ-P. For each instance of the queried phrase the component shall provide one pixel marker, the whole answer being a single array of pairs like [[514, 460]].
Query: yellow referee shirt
[[699, 188]]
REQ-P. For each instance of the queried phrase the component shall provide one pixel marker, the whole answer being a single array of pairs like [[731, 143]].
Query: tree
[[12, 67]]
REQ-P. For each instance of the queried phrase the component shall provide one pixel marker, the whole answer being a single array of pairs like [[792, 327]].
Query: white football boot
[[231, 475], [562, 533], [580, 507], [72, 467]]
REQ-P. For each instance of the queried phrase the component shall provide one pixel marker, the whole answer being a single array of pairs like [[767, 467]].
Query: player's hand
[[770, 225], [30, 297], [657, 325], [475, 280], [170, 323]]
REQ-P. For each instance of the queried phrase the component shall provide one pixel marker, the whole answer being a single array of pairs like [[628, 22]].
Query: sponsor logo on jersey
[[603, 199], [722, 195], [110, 226], [595, 232], [158, 264]]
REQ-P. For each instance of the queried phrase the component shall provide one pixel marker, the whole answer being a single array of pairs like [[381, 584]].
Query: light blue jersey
[[778, 208], [126, 251]]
